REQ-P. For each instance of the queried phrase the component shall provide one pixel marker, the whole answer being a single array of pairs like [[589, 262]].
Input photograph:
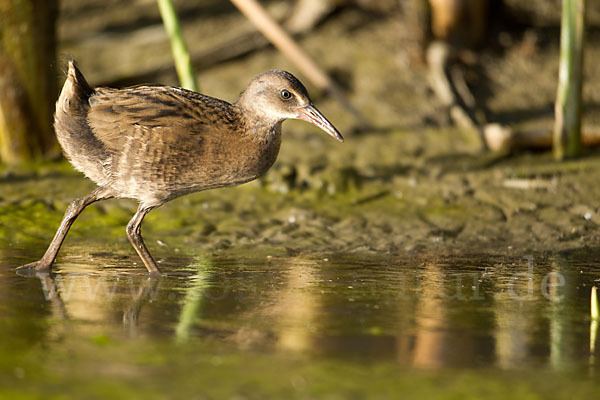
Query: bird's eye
[[285, 94]]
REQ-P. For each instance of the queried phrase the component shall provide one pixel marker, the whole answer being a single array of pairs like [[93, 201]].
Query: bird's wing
[[175, 114]]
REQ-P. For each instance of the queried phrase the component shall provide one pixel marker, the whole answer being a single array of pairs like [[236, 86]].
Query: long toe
[[32, 269]]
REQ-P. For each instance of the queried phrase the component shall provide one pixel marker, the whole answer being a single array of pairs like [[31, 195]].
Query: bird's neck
[[258, 127], [261, 146]]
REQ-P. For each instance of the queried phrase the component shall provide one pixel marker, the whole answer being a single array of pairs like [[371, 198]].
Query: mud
[[392, 203], [410, 184]]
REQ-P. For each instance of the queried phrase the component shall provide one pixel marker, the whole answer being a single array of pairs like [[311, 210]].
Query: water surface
[[229, 325]]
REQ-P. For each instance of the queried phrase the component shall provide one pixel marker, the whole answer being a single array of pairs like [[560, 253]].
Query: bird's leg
[[74, 209], [134, 232]]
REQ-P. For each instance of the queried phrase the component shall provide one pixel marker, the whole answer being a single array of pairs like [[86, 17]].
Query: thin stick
[[280, 39], [594, 311], [595, 314], [183, 64]]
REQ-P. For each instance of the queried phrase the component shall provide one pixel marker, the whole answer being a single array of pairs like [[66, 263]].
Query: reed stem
[[567, 123], [181, 55]]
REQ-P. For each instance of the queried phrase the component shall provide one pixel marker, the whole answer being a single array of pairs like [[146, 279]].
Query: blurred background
[[500, 56]]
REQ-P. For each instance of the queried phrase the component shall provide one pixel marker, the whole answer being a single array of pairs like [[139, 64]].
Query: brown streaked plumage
[[155, 143]]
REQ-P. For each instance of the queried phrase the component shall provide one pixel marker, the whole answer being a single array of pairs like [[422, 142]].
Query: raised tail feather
[[75, 90], [81, 147]]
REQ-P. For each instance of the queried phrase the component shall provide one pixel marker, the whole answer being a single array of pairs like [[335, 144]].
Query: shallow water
[[229, 325]]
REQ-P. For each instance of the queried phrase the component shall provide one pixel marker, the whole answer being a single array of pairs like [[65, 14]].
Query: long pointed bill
[[314, 116]]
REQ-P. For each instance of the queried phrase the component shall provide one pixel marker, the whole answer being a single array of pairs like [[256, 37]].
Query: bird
[[155, 143]]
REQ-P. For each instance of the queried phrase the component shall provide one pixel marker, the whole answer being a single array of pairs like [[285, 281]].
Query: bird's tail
[[73, 132], [75, 92]]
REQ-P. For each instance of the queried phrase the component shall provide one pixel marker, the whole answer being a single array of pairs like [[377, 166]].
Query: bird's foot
[[33, 269]]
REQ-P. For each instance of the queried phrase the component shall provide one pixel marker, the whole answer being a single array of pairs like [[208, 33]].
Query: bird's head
[[277, 95]]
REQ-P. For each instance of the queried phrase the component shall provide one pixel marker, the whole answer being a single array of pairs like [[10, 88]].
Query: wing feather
[[173, 113]]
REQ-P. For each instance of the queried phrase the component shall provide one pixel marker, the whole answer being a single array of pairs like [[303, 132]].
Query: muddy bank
[[387, 194]]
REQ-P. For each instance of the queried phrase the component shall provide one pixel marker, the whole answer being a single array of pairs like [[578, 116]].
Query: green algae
[[178, 374]]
